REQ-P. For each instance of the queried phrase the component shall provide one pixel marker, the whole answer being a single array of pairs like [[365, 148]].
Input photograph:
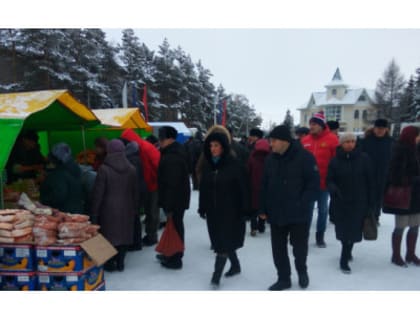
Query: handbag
[[370, 229], [170, 243], [397, 197]]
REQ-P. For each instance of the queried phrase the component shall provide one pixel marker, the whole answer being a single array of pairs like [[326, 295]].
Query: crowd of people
[[275, 181]]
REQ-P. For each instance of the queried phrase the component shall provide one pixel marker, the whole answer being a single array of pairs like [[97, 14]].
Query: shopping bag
[[170, 243], [397, 197], [370, 228]]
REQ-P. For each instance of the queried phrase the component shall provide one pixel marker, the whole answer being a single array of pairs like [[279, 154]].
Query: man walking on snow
[[322, 143]]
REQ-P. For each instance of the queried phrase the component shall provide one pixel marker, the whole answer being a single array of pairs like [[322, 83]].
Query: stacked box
[[18, 281], [86, 280], [62, 259], [17, 257]]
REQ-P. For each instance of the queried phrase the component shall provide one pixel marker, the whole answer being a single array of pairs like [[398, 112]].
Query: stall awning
[[122, 118]]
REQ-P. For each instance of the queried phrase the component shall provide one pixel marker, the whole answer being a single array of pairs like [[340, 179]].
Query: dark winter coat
[[289, 186], [173, 178], [194, 149], [133, 156], [62, 188], [115, 199], [351, 186], [256, 168], [379, 150], [404, 170], [224, 197]]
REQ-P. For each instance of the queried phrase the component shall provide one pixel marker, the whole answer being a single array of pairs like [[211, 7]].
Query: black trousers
[[299, 235], [178, 219]]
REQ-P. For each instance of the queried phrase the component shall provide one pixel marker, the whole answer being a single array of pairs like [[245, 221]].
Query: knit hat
[[347, 136], [302, 131], [61, 152], [381, 123], [333, 125], [167, 132], [408, 135], [115, 145], [255, 132], [281, 132], [318, 118]]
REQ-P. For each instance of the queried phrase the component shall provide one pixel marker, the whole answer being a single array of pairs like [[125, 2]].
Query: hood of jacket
[[118, 162]]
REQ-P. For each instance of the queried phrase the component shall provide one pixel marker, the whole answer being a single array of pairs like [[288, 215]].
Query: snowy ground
[[371, 267]]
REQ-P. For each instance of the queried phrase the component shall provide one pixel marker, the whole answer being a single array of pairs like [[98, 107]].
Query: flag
[[146, 110], [124, 95], [224, 113]]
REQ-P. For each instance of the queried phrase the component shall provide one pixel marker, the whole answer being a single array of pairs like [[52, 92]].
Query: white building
[[352, 107]]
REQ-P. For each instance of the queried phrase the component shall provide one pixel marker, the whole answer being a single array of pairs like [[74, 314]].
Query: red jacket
[[150, 157], [323, 147]]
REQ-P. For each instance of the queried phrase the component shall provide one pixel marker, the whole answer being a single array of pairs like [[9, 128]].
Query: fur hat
[[318, 118], [347, 136], [255, 132], [281, 132], [381, 123], [167, 132], [61, 152], [115, 145]]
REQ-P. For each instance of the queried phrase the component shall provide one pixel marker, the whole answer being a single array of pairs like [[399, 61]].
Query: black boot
[[344, 259], [281, 285], [111, 264], [218, 269], [319, 236], [411, 257], [172, 262], [396, 250], [261, 225], [235, 267], [120, 258], [303, 280]]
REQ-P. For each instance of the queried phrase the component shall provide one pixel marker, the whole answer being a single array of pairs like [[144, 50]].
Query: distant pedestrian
[[378, 145], [194, 149], [334, 126], [255, 170], [254, 135], [301, 132], [223, 202], [174, 187], [322, 144], [404, 172], [351, 186], [289, 186]]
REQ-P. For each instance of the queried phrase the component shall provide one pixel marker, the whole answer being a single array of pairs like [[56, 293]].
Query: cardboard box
[[87, 280], [17, 257], [18, 281], [61, 259], [99, 249]]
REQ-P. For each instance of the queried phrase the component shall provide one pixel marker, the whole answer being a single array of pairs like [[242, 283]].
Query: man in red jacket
[[322, 143], [150, 157]]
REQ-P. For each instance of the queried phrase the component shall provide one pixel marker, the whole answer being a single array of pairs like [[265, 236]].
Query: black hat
[[255, 132], [281, 132], [167, 132], [381, 123], [302, 131], [333, 125]]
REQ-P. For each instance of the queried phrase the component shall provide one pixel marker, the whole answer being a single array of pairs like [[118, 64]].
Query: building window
[[362, 98], [364, 114], [356, 114], [334, 92], [333, 113]]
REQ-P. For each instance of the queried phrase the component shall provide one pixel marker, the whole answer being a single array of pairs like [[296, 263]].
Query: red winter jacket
[[150, 157], [323, 147]]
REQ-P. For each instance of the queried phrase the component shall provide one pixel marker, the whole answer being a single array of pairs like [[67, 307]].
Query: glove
[[201, 213]]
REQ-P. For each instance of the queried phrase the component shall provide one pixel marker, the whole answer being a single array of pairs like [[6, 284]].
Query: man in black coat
[[174, 187], [289, 187], [378, 146]]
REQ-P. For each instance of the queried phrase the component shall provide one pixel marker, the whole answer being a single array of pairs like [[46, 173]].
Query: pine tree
[[406, 102], [388, 92], [288, 120]]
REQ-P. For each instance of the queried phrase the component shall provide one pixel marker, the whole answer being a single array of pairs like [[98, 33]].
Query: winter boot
[[172, 262], [396, 250], [111, 265], [120, 258], [303, 280], [280, 285], [344, 259], [319, 236], [261, 225], [411, 257], [350, 252], [235, 267], [219, 265]]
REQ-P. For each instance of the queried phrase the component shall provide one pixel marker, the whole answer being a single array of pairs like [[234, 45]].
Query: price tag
[[22, 252], [44, 279], [23, 278], [71, 278], [70, 252]]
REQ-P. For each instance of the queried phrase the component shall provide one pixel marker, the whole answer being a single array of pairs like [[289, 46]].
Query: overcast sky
[[274, 52], [277, 69]]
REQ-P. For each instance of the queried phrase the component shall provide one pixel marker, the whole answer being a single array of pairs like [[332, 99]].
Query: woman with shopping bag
[[402, 193], [224, 201], [350, 183]]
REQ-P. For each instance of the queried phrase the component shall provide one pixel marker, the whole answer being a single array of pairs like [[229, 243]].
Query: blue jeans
[[322, 201]]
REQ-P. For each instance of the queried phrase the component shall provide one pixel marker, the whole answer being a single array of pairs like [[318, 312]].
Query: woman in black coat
[[223, 201], [350, 183], [404, 170]]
